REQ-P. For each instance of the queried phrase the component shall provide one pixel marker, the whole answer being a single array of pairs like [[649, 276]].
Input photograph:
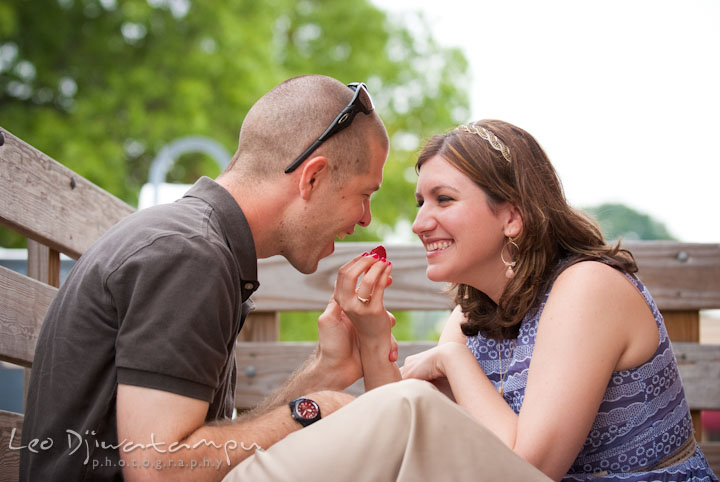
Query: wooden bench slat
[[47, 202], [24, 302], [712, 454], [699, 367], [9, 457], [680, 276], [284, 289], [264, 366]]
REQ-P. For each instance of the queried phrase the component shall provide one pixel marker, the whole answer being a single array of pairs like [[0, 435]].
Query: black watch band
[[304, 411]]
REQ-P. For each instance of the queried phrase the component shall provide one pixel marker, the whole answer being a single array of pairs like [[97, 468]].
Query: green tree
[[618, 220], [102, 85]]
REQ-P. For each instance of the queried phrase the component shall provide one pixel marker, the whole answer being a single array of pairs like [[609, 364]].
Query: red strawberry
[[380, 251]]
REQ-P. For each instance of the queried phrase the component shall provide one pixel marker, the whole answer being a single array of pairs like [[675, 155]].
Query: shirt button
[[249, 286]]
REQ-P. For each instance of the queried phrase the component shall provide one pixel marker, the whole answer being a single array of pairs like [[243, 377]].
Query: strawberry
[[380, 251]]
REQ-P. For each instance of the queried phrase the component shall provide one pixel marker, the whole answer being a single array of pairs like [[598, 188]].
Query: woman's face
[[461, 234]]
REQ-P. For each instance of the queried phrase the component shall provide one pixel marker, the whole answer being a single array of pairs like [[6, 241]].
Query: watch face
[[307, 409]]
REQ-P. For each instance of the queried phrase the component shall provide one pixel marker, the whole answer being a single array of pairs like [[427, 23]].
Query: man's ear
[[314, 171], [513, 222]]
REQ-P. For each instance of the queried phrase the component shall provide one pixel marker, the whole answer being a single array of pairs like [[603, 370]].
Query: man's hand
[[338, 347]]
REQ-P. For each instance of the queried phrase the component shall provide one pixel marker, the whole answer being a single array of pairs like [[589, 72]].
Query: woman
[[554, 344]]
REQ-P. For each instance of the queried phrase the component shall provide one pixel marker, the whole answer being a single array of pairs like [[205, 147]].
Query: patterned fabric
[[643, 418]]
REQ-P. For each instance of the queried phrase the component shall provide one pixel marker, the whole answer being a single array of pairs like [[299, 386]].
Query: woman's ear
[[314, 171], [513, 222]]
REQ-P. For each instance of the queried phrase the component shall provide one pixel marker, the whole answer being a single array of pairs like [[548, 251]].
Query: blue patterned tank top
[[643, 417]]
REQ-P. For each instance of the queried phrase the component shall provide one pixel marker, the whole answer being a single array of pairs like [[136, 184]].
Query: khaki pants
[[405, 431]]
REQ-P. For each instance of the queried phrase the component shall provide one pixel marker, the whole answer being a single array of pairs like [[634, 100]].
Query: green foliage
[[103, 85], [11, 239], [618, 220], [302, 326]]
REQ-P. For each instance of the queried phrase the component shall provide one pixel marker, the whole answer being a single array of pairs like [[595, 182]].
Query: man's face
[[335, 212]]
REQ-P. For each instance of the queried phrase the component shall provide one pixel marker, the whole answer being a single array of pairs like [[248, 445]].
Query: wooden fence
[[60, 212]]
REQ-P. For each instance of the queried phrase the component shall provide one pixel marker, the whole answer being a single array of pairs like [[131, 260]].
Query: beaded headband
[[488, 136]]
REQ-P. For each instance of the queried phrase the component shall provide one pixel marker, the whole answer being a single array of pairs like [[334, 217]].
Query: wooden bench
[[60, 212]]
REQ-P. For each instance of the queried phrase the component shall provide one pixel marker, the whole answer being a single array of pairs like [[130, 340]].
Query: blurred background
[[622, 95]]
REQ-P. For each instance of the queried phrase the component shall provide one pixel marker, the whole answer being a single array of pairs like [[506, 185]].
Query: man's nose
[[367, 215]]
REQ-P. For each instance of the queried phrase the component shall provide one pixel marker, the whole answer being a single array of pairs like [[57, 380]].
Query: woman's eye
[[419, 203], [444, 199]]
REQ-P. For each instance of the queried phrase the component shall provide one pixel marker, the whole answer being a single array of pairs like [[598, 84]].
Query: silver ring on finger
[[363, 300]]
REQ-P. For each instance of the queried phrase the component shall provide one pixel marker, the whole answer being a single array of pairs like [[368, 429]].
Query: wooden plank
[[24, 303], [699, 367], [712, 454], [47, 202], [680, 276], [261, 326], [10, 457], [284, 289], [43, 263], [264, 366], [682, 325]]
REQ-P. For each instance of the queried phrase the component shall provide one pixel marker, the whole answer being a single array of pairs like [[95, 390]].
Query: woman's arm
[[451, 333], [372, 322], [593, 323]]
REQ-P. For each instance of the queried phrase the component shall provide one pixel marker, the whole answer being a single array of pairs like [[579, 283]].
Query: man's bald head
[[286, 120]]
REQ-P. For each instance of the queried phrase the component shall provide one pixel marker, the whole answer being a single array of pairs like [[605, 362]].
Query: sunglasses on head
[[361, 102]]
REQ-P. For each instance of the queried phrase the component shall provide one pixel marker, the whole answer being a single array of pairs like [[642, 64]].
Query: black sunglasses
[[361, 102]]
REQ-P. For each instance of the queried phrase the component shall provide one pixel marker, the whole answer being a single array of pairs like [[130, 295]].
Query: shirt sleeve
[[176, 302]]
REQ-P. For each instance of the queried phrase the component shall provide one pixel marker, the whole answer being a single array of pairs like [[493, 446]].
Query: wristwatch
[[305, 411]]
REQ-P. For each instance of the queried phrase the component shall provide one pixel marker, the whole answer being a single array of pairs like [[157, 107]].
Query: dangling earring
[[510, 273]]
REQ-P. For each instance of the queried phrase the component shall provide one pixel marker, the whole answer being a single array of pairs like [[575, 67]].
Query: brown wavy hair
[[554, 235]]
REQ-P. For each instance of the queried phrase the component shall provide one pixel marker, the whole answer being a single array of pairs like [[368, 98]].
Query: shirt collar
[[235, 228]]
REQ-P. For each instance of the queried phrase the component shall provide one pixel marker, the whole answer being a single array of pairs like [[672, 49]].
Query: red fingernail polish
[[383, 260], [389, 263], [375, 255], [365, 253]]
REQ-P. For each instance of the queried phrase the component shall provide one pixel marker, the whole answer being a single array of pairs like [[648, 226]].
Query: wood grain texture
[[284, 289], [682, 325], [23, 304], [43, 263], [263, 366], [680, 276], [47, 202], [699, 367], [712, 454], [10, 457], [261, 326]]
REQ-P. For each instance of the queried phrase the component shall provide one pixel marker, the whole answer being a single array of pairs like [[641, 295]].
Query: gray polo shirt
[[157, 302]]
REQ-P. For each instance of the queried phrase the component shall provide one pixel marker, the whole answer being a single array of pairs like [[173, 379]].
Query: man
[[141, 335], [134, 373]]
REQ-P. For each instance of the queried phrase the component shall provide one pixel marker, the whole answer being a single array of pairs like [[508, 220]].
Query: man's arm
[[163, 436], [335, 364]]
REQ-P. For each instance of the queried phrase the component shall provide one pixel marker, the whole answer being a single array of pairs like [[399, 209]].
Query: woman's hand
[[363, 302], [429, 365]]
